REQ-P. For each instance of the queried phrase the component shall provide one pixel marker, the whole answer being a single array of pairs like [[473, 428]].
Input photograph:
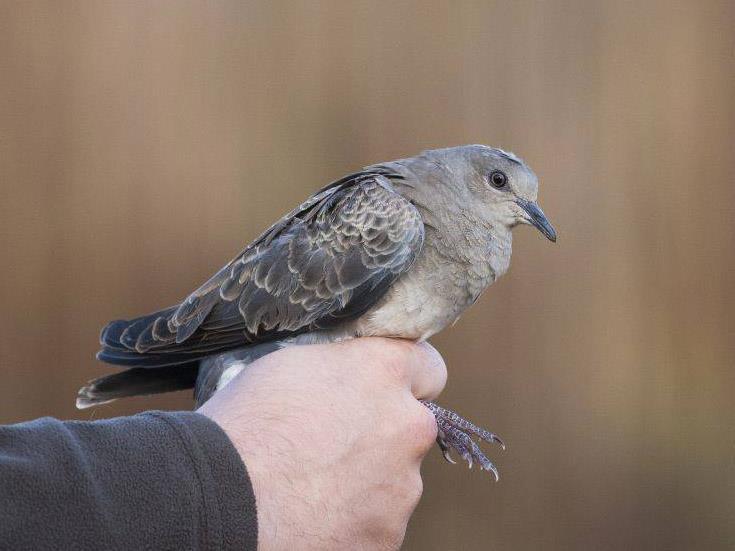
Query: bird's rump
[[325, 262]]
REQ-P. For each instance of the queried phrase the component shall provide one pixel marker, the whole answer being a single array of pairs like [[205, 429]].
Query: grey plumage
[[399, 249], [322, 264]]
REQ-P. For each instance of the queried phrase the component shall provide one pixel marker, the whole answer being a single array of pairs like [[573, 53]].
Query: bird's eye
[[498, 179]]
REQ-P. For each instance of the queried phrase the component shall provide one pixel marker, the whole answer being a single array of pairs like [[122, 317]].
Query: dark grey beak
[[537, 218]]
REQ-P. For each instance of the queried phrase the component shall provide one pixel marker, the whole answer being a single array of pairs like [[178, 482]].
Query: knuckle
[[404, 494], [415, 491], [435, 363], [387, 534], [441, 368], [392, 539], [395, 530], [422, 425]]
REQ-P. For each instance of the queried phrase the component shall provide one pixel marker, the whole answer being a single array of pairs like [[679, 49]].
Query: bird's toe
[[454, 434]]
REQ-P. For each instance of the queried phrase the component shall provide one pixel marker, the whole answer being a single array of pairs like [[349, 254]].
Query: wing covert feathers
[[327, 261]]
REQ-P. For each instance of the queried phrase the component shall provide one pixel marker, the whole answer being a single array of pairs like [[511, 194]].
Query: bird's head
[[499, 188]]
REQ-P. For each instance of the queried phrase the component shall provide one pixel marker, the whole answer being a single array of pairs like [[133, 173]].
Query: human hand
[[333, 437]]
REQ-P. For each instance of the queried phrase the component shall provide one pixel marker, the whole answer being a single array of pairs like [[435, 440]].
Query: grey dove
[[399, 249]]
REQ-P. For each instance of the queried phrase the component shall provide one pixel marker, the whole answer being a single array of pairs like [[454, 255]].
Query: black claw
[[444, 447]]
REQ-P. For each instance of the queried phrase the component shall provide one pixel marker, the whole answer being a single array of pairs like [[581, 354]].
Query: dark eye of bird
[[498, 179]]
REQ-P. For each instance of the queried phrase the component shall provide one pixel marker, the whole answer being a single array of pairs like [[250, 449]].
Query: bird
[[398, 249]]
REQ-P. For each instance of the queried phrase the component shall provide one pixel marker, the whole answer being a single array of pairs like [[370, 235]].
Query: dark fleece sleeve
[[152, 481]]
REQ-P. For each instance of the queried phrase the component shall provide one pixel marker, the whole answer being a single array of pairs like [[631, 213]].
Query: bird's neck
[[500, 248]]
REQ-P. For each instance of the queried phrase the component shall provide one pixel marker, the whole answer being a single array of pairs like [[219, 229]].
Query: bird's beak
[[537, 218]]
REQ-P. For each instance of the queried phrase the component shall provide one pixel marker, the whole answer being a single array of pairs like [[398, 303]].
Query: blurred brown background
[[142, 144]]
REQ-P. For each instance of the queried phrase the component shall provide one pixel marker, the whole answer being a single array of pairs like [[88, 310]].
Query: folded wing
[[326, 262]]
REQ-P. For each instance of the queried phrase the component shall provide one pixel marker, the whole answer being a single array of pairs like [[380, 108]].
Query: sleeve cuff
[[229, 516]]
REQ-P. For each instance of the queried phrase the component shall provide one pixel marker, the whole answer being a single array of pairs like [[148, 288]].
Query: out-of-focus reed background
[[143, 143]]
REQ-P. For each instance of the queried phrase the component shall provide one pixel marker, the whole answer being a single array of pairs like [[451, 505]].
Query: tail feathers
[[137, 381], [148, 341]]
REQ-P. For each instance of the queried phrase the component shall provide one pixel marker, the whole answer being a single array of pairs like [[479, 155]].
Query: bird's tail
[[137, 381], [151, 371]]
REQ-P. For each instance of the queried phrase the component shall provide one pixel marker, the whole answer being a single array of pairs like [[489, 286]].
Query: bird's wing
[[326, 262]]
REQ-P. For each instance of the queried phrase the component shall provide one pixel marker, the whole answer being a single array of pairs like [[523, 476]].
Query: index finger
[[427, 372]]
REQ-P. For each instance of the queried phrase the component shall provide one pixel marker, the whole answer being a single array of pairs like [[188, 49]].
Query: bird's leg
[[454, 433]]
